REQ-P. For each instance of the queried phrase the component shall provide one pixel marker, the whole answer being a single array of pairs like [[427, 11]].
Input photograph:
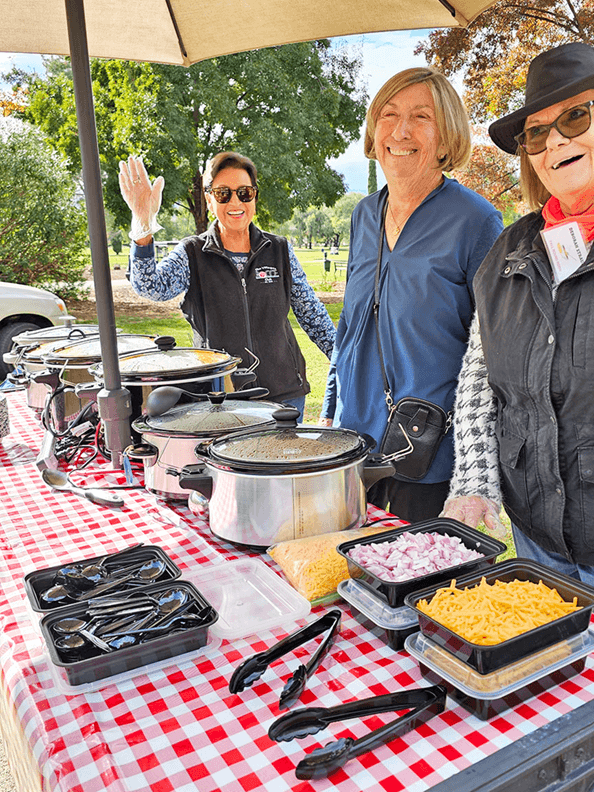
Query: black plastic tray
[[96, 665], [39, 581], [394, 593], [489, 658]]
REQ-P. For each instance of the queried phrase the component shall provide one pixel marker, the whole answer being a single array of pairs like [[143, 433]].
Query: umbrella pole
[[114, 401]]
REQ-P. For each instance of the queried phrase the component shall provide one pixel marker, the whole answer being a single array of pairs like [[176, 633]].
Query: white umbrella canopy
[[180, 32], [187, 31]]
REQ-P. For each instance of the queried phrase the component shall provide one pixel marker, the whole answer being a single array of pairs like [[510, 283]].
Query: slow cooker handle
[[375, 468], [193, 477]]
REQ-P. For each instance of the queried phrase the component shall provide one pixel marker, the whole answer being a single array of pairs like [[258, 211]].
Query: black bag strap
[[376, 306]]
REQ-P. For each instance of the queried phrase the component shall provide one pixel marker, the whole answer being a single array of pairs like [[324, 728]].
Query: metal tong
[[424, 703], [253, 668]]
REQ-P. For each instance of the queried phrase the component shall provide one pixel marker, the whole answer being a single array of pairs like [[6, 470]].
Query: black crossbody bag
[[411, 421]]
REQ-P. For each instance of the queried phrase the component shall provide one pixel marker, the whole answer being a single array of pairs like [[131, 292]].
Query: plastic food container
[[249, 597], [394, 593], [486, 659], [492, 694], [41, 580], [371, 611], [96, 664]]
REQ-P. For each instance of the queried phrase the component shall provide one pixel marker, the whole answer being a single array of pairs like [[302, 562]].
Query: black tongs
[[253, 668], [424, 703]]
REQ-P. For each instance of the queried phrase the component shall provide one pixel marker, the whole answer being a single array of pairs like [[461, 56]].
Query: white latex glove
[[471, 509], [143, 198], [324, 421]]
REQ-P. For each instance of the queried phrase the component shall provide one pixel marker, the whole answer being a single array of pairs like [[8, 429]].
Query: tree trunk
[[197, 203]]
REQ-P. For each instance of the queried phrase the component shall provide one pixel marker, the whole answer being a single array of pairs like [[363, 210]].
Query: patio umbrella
[[180, 32]]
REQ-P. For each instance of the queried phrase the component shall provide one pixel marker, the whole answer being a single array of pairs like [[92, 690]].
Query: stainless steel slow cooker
[[30, 369], [284, 482], [169, 440], [143, 371]]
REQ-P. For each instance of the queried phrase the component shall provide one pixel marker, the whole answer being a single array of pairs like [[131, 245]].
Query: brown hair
[[450, 114], [229, 159], [533, 190]]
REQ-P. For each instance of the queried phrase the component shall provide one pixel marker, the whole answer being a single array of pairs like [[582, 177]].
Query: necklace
[[397, 228]]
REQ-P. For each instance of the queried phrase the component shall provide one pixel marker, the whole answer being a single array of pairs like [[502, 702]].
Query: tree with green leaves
[[494, 51], [341, 215], [372, 177], [43, 228], [290, 109]]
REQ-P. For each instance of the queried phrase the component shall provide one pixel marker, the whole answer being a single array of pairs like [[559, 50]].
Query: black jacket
[[232, 311], [539, 349]]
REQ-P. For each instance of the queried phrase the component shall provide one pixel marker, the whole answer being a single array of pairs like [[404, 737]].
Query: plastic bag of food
[[312, 565]]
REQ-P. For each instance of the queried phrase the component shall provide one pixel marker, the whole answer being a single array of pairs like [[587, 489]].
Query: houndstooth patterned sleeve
[[476, 467]]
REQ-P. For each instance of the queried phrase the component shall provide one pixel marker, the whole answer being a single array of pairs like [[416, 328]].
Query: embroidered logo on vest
[[266, 274]]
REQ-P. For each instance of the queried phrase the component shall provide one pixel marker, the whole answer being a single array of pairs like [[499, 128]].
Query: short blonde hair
[[450, 114], [229, 159], [533, 190]]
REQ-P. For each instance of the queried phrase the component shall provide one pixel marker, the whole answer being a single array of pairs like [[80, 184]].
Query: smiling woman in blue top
[[434, 237], [238, 282]]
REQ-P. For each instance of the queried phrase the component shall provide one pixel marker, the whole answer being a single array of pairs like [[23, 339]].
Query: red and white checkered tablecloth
[[179, 728]]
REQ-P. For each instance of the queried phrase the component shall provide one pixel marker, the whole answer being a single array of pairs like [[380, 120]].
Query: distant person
[[238, 282], [424, 236], [524, 410]]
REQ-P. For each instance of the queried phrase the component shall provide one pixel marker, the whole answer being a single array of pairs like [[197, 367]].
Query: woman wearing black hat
[[525, 406]]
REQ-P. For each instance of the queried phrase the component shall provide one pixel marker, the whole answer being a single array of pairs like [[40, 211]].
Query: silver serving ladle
[[58, 480]]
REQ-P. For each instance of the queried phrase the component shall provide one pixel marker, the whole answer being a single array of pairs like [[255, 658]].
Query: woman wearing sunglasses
[[525, 406], [238, 282]]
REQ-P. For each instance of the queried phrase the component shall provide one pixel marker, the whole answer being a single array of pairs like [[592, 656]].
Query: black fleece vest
[[233, 311]]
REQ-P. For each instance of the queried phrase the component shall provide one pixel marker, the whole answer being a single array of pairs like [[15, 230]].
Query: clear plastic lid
[[285, 447], [205, 418], [249, 597], [505, 680], [375, 608]]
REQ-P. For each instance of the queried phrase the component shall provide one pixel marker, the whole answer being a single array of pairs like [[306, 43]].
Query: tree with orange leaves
[[494, 51]]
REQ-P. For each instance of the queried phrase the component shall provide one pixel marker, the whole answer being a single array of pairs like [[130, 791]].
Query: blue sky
[[383, 55]]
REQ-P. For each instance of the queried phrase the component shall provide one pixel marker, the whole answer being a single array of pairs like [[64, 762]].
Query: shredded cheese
[[491, 613]]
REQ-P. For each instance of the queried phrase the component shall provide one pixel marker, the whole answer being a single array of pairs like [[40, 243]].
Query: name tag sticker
[[566, 249]]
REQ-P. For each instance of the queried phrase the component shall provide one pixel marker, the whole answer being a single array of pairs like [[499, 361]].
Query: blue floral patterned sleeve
[[309, 310], [159, 281]]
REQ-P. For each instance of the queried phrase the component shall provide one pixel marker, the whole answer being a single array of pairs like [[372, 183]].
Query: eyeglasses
[[570, 124], [223, 194]]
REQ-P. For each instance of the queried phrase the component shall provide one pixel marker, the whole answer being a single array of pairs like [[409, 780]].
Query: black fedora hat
[[553, 76]]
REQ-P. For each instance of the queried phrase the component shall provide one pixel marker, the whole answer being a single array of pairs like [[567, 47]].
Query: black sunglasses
[[223, 194], [570, 124]]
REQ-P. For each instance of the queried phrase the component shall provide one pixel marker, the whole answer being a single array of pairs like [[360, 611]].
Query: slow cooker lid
[[207, 419], [56, 333], [89, 350], [182, 360], [288, 447]]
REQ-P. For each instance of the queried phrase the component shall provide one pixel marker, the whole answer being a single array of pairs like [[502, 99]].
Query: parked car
[[25, 308]]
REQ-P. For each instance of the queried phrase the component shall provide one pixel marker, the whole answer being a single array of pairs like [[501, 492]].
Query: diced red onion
[[412, 555]]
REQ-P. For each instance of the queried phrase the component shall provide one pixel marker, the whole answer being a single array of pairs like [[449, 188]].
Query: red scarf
[[554, 216]]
